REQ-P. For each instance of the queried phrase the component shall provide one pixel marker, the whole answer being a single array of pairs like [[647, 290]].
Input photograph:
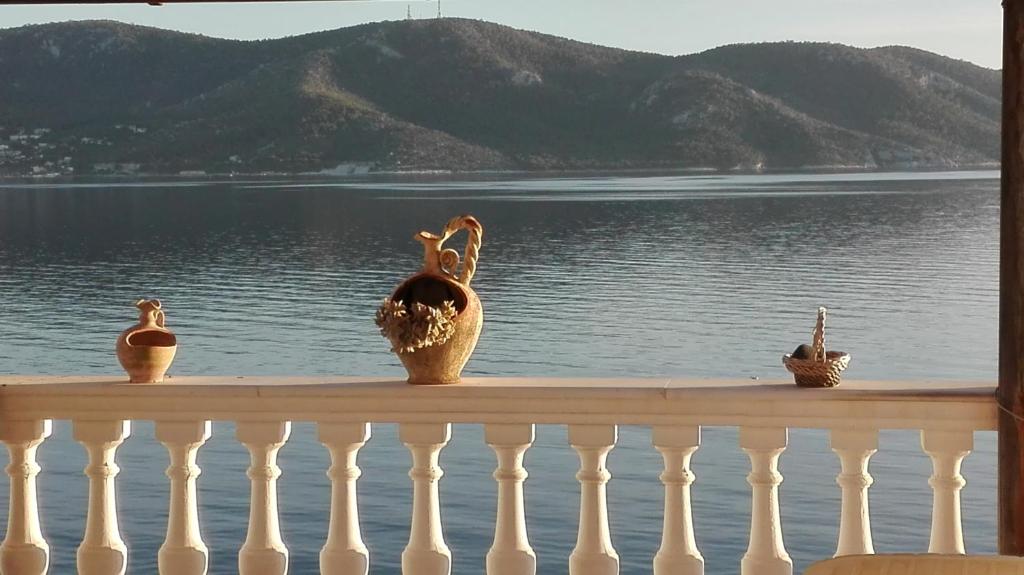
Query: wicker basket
[[823, 369]]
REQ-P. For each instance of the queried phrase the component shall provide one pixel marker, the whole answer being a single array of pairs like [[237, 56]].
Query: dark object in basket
[[819, 368], [803, 351]]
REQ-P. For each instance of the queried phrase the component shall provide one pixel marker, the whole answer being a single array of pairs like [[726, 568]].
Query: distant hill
[[455, 94]]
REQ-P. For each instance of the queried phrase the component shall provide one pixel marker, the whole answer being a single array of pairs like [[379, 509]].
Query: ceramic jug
[[147, 349], [435, 317]]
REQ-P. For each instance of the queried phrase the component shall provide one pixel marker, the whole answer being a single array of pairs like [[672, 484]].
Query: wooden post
[[1011, 287]]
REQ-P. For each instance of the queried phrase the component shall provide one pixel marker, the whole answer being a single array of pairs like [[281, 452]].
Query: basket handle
[[819, 336]]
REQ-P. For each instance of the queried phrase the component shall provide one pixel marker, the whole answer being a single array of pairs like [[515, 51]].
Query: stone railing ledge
[[644, 401]]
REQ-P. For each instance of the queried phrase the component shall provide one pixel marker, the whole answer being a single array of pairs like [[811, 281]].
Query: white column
[[426, 553], [102, 551], [344, 553], [594, 554], [24, 550], [678, 554], [263, 553], [766, 554], [183, 551], [854, 449], [511, 553], [947, 450]]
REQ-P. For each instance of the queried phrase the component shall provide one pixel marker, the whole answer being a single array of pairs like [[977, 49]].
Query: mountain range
[[465, 95]]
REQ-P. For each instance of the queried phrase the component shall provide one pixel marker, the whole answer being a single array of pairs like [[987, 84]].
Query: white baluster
[[102, 551], [947, 450], [511, 553], [263, 553], [854, 449], [678, 554], [426, 553], [344, 553], [766, 554], [594, 554], [24, 550], [183, 551]]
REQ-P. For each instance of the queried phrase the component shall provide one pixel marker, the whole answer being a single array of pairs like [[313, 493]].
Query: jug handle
[[473, 243]]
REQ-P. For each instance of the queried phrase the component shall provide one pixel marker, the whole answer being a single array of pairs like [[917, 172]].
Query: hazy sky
[[967, 29]]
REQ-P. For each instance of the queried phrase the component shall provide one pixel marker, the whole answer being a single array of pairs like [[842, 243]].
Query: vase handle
[[473, 243]]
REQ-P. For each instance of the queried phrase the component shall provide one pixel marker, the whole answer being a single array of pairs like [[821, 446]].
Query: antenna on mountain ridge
[[439, 9], [408, 12]]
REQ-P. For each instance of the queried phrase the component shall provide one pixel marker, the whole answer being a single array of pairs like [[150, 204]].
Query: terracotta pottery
[[439, 317], [147, 349]]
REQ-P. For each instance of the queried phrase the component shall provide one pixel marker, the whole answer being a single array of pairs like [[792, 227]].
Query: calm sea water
[[613, 276]]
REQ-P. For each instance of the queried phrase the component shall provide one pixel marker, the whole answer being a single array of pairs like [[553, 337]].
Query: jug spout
[[431, 251], [150, 313]]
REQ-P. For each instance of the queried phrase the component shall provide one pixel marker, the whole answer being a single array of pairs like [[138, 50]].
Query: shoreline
[[524, 174]]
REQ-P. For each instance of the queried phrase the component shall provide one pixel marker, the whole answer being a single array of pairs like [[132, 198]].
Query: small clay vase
[[147, 349], [439, 281]]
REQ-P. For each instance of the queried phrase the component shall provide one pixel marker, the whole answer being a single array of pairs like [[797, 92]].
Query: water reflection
[[262, 278]]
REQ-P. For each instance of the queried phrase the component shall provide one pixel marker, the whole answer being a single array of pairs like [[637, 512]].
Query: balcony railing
[[947, 415]]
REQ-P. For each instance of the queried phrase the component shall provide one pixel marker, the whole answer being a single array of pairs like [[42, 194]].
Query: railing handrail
[[932, 404]]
